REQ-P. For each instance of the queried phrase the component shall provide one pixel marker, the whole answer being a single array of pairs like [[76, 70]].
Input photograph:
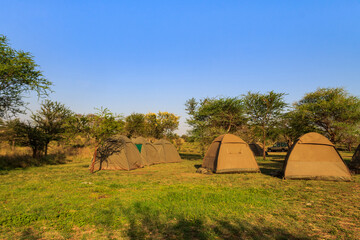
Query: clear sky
[[146, 56]]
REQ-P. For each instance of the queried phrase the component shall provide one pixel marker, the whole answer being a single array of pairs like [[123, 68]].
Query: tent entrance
[[139, 146]]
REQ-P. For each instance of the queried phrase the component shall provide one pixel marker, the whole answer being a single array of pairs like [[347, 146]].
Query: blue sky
[[146, 56]]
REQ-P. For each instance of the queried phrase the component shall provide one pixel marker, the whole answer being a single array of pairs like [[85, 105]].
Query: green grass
[[172, 201]]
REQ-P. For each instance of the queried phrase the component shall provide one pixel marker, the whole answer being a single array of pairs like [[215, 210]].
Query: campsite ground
[[172, 201]]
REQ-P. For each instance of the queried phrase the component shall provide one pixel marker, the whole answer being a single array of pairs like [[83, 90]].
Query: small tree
[[51, 119], [264, 111], [19, 75], [8, 133], [30, 135], [135, 124], [102, 125]]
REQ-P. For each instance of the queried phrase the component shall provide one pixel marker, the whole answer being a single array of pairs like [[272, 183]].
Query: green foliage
[[161, 124], [264, 111], [52, 119], [19, 75], [332, 111], [293, 125], [102, 125], [31, 135], [135, 125], [211, 117]]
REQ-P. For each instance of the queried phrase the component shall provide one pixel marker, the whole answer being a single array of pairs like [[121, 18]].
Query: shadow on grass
[[272, 166], [190, 156], [148, 223], [25, 161], [29, 234]]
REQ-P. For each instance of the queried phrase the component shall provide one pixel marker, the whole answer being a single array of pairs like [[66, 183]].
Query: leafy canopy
[[52, 119], [19, 75], [264, 110], [211, 117], [330, 110]]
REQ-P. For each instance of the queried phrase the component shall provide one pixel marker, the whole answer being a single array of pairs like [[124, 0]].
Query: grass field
[[172, 201]]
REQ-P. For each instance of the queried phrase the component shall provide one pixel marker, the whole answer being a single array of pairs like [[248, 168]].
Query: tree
[[135, 124], [30, 135], [293, 125], [52, 119], [7, 131], [161, 124], [211, 117], [19, 75], [332, 111], [102, 125], [264, 111]]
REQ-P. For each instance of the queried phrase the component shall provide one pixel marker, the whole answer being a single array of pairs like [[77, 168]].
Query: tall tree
[[51, 119], [264, 111], [332, 111], [19, 75], [211, 117]]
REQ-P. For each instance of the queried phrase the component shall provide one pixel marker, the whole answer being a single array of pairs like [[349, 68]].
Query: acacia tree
[[52, 119], [19, 75], [294, 124], [28, 134], [264, 111], [211, 117], [332, 111], [100, 126], [7, 131]]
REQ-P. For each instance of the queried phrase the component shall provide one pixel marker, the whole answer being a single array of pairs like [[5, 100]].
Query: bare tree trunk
[[46, 149], [228, 130], [34, 152], [94, 159]]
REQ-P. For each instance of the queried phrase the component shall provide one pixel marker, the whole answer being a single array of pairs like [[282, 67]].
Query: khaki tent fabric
[[148, 152], [167, 152], [117, 153], [355, 162], [229, 153], [257, 149], [313, 156]]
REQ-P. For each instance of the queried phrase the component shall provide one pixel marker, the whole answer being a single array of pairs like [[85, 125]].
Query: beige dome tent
[[147, 151], [257, 149], [355, 161], [313, 156], [229, 153], [167, 152], [116, 153]]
